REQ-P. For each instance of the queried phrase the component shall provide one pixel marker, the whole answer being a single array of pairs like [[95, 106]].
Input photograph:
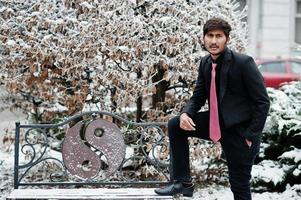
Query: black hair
[[217, 23]]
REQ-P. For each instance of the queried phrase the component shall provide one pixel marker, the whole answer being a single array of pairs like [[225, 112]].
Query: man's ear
[[228, 39]]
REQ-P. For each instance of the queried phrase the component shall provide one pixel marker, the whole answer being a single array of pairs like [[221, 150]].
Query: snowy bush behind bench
[[279, 162]]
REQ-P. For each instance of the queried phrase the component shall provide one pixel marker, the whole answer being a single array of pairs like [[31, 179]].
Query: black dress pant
[[239, 155]]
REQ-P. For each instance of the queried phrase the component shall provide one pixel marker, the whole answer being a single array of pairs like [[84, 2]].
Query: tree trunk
[[139, 109], [139, 101], [161, 87], [114, 106]]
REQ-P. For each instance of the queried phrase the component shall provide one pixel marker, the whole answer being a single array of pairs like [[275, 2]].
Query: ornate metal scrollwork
[[93, 152]]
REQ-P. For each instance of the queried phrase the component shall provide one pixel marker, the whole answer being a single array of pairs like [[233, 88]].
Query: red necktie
[[214, 128]]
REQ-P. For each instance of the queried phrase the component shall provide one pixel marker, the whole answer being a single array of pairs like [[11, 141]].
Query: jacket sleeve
[[254, 83], [198, 98]]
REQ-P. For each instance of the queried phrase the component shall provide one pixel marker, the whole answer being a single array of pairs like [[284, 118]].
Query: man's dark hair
[[217, 23]]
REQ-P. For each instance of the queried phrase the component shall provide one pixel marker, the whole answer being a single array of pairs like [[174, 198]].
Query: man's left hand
[[249, 143]]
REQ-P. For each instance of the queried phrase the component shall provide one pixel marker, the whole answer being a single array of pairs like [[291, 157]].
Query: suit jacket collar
[[226, 57], [226, 62]]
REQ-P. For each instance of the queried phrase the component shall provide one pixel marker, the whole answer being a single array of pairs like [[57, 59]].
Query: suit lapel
[[224, 74], [208, 74]]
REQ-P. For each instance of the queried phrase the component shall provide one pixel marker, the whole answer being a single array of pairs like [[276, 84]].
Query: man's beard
[[215, 54]]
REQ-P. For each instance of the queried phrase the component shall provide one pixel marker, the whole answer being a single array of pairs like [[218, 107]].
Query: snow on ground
[[8, 119], [222, 193], [6, 172]]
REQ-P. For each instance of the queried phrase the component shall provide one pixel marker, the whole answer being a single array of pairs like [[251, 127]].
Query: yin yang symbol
[[80, 143]]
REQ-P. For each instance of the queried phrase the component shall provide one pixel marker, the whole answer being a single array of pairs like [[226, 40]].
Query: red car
[[279, 71]]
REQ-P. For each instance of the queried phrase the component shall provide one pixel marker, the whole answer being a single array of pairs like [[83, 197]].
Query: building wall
[[271, 28]]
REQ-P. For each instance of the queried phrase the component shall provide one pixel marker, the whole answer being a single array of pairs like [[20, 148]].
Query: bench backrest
[[92, 148]]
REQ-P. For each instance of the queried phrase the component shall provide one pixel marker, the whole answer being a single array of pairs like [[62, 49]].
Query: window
[[272, 67], [296, 67], [298, 22]]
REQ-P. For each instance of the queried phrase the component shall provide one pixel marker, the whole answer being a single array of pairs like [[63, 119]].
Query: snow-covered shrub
[[207, 166], [65, 56], [279, 161]]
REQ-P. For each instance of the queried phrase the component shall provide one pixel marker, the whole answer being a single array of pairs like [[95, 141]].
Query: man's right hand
[[186, 122]]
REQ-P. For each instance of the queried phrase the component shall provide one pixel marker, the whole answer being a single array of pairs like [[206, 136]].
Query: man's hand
[[186, 123], [249, 143]]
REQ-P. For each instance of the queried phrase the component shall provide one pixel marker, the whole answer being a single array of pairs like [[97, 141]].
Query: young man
[[238, 108]]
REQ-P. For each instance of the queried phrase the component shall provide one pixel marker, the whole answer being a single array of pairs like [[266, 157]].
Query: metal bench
[[100, 154]]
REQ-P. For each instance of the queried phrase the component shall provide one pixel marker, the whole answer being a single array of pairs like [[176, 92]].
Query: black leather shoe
[[176, 188]]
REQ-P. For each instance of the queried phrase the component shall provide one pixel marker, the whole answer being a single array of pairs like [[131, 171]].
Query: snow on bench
[[101, 193]]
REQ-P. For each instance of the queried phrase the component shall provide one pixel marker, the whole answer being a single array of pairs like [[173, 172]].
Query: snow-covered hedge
[[64, 54], [279, 162]]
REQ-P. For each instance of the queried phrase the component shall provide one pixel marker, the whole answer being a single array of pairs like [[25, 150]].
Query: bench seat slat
[[84, 193]]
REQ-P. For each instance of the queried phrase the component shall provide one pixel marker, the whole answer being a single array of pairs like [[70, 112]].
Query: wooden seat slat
[[84, 193]]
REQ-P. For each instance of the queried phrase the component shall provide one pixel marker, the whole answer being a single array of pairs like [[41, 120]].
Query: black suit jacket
[[243, 99]]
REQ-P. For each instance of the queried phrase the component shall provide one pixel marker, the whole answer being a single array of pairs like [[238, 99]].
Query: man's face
[[215, 42]]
